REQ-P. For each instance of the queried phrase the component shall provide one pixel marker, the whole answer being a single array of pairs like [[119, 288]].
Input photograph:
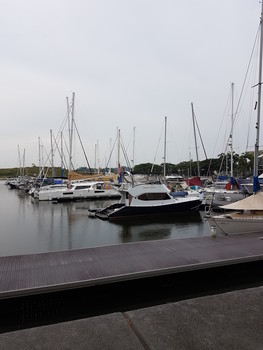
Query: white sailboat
[[215, 196], [246, 215]]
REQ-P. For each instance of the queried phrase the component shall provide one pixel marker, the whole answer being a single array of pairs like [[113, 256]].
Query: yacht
[[148, 200], [79, 190]]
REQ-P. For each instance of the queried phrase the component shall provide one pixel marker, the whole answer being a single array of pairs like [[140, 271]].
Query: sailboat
[[215, 196], [246, 215]]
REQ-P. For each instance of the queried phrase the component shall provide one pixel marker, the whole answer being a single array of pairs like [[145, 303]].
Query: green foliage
[[243, 167], [28, 171]]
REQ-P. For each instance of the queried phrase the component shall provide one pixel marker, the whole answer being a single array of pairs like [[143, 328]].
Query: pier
[[48, 288], [25, 275]]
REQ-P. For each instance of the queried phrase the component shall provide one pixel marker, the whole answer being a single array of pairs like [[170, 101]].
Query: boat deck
[[47, 272]]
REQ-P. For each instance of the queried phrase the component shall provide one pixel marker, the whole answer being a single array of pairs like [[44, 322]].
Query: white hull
[[231, 224], [79, 191], [221, 197]]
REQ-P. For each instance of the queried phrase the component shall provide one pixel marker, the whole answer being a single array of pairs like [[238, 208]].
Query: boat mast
[[52, 155], [19, 161], [256, 185], [71, 131], [95, 154], [118, 156], [97, 149], [61, 148], [110, 158], [119, 144], [196, 150], [164, 157], [39, 157], [133, 148], [24, 161], [231, 136]]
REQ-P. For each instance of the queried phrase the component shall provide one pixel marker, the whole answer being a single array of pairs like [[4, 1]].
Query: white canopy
[[253, 202]]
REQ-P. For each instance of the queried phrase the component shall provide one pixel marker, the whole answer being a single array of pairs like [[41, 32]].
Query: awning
[[253, 202]]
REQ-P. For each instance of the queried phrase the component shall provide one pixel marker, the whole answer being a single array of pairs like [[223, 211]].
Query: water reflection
[[144, 229], [29, 226]]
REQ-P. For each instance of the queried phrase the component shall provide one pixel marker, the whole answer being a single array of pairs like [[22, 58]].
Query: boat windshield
[[154, 196]]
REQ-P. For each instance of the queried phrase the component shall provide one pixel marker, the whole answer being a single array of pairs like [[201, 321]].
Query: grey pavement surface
[[231, 321]]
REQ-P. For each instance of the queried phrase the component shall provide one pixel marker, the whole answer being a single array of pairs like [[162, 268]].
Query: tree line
[[242, 165]]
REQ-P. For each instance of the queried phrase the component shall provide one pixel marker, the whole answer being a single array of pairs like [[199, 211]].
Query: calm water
[[29, 226]]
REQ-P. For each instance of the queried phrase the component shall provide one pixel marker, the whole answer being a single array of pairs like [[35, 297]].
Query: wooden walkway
[[38, 273]]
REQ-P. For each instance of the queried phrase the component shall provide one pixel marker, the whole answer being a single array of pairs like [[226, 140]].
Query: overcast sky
[[130, 64]]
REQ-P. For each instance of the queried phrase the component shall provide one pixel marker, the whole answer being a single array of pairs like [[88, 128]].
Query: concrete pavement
[[228, 321]]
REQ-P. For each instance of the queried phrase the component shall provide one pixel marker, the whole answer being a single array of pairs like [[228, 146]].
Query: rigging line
[[199, 133], [85, 155], [67, 149], [105, 157], [156, 151], [227, 103], [57, 147], [125, 153], [43, 167], [251, 110], [249, 63], [62, 157], [55, 139], [62, 126], [111, 151]]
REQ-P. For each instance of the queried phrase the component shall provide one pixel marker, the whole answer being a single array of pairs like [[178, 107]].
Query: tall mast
[[71, 131], [19, 161], [110, 158], [133, 148], [256, 185], [68, 118], [98, 170], [231, 136], [95, 163], [164, 156], [119, 145], [39, 157], [24, 161], [196, 150], [119, 165], [61, 149], [52, 155]]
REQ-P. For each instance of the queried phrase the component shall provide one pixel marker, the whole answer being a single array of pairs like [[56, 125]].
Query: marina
[[119, 231], [29, 226]]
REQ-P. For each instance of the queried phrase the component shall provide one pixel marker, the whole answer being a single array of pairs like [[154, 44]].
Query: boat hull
[[63, 195], [120, 212], [226, 225]]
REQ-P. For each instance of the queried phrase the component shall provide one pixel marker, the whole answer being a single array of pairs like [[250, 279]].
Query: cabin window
[[153, 196], [83, 187]]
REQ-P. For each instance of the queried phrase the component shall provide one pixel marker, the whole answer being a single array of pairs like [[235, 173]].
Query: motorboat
[[79, 190], [148, 200]]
